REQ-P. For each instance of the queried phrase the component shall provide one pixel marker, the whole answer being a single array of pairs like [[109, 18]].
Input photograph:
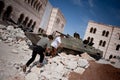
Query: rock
[[9, 39], [46, 75], [113, 60], [55, 76], [86, 56], [79, 70], [16, 77], [59, 68], [83, 63], [117, 64], [2, 26], [12, 35], [14, 51], [72, 65], [35, 70], [10, 28], [31, 76]]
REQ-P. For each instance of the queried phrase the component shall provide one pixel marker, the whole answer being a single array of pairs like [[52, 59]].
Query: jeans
[[36, 50]]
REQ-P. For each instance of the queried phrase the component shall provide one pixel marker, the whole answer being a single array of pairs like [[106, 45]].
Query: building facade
[[36, 15], [105, 37], [27, 13], [56, 22], [46, 18]]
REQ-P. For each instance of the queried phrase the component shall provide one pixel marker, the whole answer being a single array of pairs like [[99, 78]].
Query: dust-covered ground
[[10, 68]]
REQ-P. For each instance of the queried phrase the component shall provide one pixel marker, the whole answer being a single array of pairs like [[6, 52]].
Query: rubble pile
[[14, 37], [59, 67], [14, 51], [55, 68], [10, 34], [18, 53]]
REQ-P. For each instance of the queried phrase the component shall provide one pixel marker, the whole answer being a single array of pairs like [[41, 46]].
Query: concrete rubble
[[60, 66], [56, 68]]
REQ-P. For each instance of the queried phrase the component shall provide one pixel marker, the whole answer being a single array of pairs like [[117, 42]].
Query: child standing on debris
[[56, 44], [38, 49]]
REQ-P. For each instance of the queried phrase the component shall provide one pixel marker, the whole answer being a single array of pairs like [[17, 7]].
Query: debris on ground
[[15, 51]]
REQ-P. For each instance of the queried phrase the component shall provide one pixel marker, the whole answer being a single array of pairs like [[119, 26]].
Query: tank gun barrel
[[66, 35]]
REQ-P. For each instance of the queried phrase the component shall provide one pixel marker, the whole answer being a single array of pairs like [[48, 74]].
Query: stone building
[[105, 37], [56, 21], [33, 15], [46, 17], [52, 20], [27, 13]]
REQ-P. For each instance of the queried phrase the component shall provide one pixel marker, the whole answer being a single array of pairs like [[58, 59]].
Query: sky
[[77, 13]]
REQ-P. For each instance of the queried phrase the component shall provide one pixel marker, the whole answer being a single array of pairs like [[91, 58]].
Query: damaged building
[[56, 22], [105, 37], [52, 20], [31, 15], [27, 13]]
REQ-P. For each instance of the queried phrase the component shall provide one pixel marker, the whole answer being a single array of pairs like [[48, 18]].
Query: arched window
[[30, 22], [118, 47], [91, 42], [91, 29], [20, 19], [7, 13], [88, 39], [111, 56], [35, 4], [33, 25], [26, 0], [104, 43], [103, 33], [100, 43], [94, 30], [29, 1], [2, 5], [32, 2], [40, 30], [57, 20], [92, 39], [107, 33], [39, 7], [118, 36], [25, 21]]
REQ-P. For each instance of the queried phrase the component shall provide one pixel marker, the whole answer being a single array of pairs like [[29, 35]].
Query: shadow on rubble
[[35, 64]]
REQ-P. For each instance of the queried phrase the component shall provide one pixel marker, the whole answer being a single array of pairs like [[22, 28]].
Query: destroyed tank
[[71, 45], [77, 46]]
